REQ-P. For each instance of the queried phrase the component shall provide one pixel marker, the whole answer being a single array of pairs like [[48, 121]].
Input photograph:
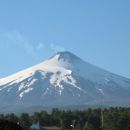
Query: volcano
[[63, 80]]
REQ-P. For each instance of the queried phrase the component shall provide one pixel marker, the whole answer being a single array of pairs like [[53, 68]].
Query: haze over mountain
[[61, 81]]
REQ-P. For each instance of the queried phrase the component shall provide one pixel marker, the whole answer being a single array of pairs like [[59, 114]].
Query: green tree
[[78, 126], [12, 117], [88, 126], [25, 120], [62, 126]]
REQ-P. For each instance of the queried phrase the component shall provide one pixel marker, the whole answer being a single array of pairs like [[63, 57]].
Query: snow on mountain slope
[[64, 79], [53, 65], [66, 63]]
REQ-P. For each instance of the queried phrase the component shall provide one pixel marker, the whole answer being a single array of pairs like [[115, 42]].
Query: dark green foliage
[[90, 119], [117, 119], [88, 126], [25, 120], [7, 125]]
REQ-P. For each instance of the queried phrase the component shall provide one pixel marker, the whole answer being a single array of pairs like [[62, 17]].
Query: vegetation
[[7, 125], [90, 119]]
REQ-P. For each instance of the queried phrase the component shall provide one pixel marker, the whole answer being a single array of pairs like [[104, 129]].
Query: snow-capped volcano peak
[[64, 75], [58, 66], [64, 63], [62, 59], [66, 56], [51, 65]]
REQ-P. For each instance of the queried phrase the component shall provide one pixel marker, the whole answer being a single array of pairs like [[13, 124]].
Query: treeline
[[90, 119]]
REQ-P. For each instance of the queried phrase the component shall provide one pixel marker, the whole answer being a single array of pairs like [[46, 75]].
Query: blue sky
[[98, 31]]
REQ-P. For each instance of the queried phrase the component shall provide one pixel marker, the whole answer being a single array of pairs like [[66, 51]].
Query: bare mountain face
[[63, 80]]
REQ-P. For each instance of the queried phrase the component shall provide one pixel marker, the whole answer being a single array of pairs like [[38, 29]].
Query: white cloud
[[19, 40], [22, 42], [56, 48], [16, 39]]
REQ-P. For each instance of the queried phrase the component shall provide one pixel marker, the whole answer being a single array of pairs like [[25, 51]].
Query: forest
[[89, 119]]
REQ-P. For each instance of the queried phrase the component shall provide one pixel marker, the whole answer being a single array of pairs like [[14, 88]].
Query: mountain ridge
[[64, 79]]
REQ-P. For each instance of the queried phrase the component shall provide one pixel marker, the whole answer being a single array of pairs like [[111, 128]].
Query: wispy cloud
[[56, 48], [21, 41]]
